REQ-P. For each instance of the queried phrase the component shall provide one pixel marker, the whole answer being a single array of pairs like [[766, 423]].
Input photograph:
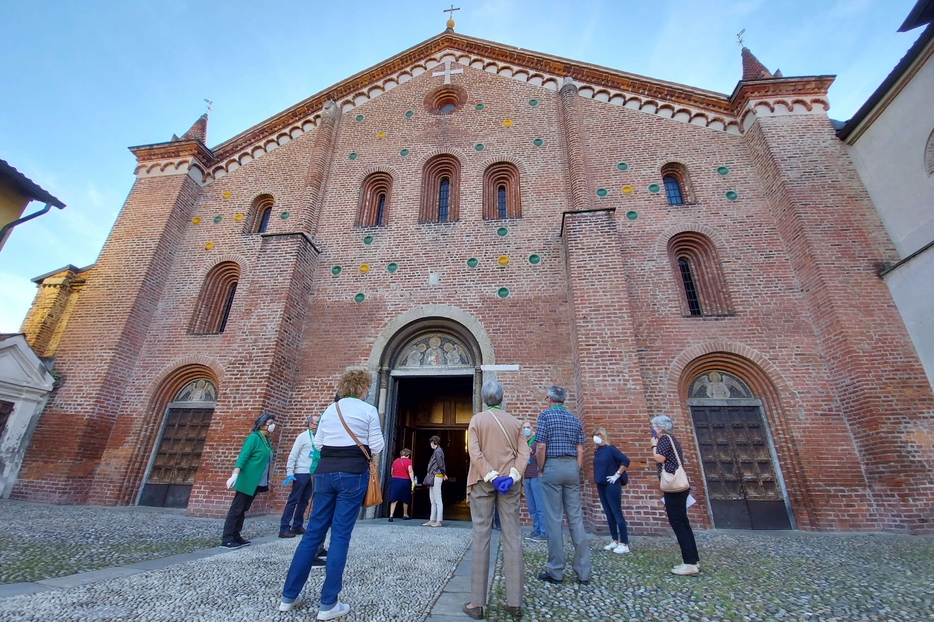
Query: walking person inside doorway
[[560, 458], [401, 484], [436, 474], [250, 477], [299, 470]]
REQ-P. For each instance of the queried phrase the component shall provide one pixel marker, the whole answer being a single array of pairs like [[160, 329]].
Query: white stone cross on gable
[[447, 71]]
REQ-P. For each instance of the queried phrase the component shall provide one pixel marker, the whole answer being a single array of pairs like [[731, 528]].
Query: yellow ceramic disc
[[208, 246], [238, 217], [507, 123], [226, 195], [627, 189], [381, 134], [503, 260], [196, 220], [364, 268]]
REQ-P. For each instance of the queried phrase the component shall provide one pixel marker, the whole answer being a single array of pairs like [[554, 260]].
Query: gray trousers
[[482, 496], [560, 484]]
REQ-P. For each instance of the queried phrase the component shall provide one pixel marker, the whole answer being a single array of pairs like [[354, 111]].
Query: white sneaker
[[338, 611], [685, 570], [612, 545], [290, 606], [622, 548]]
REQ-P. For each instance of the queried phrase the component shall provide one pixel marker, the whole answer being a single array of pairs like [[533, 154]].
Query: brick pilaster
[[608, 378], [834, 239]]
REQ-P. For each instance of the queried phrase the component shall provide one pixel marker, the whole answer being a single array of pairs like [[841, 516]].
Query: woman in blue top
[[609, 473]]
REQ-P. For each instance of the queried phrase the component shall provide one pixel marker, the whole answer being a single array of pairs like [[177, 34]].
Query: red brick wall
[[99, 350], [814, 332]]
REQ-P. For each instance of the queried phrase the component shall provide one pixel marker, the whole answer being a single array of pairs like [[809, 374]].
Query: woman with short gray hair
[[668, 455]]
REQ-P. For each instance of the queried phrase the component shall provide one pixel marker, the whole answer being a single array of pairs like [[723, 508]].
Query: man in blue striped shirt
[[560, 456]]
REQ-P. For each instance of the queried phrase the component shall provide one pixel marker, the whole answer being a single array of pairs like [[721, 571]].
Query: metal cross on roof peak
[[209, 103], [739, 37], [451, 10]]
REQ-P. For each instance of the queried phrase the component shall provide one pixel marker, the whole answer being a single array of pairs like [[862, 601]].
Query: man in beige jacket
[[497, 451]]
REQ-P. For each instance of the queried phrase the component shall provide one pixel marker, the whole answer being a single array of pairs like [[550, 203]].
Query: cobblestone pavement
[[396, 571], [44, 541], [393, 572], [744, 576]]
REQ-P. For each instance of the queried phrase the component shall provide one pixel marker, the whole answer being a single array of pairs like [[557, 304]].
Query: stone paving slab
[[18, 589], [85, 578]]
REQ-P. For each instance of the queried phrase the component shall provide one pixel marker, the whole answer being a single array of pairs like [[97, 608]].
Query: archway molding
[[767, 384], [163, 390]]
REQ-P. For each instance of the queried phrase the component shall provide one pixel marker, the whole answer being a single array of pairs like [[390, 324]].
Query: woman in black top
[[664, 446], [609, 474]]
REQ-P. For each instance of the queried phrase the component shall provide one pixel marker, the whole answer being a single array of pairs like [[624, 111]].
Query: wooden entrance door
[[742, 485], [176, 461]]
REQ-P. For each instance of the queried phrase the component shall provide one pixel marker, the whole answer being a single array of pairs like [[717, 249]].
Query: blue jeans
[[533, 499], [335, 505], [611, 498], [302, 488]]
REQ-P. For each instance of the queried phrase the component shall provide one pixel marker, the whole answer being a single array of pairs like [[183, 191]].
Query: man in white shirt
[[301, 464]]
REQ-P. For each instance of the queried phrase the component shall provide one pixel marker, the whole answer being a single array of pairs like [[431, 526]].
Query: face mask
[[527, 431], [597, 440], [271, 427]]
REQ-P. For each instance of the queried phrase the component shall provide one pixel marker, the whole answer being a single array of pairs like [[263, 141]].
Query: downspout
[[10, 225]]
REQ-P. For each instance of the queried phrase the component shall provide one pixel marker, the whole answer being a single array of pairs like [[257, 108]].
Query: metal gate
[[743, 483], [175, 463]]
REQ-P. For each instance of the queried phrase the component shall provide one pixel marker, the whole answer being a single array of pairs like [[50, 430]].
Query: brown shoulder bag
[[374, 492]]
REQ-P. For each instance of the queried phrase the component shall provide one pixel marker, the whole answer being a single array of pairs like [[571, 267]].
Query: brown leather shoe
[[474, 612], [515, 612]]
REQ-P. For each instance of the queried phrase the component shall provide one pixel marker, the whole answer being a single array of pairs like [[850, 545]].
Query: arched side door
[[743, 480], [174, 464]]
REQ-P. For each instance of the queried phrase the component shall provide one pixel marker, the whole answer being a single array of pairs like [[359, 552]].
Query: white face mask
[[597, 440], [271, 427]]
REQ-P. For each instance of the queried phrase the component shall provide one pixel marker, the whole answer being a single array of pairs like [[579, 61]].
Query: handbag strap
[[674, 448], [515, 452], [352, 435]]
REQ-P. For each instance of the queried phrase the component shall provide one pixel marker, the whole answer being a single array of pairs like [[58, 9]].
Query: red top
[[400, 468]]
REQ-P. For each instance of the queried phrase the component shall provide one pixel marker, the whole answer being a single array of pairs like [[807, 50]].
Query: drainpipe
[[6, 228]]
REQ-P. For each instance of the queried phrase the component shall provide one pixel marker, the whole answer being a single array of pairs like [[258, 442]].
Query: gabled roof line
[[552, 65]]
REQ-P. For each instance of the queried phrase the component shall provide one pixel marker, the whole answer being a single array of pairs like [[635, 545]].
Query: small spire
[[198, 131], [752, 68]]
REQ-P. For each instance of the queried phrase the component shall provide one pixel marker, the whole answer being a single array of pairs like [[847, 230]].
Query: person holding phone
[[664, 446]]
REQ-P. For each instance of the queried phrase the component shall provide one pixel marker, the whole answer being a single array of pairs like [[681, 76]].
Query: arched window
[[375, 194], [217, 295], [697, 271], [929, 155], [677, 184], [501, 192], [262, 210], [441, 190]]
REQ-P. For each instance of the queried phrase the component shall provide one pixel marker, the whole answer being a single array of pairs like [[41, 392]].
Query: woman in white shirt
[[341, 480]]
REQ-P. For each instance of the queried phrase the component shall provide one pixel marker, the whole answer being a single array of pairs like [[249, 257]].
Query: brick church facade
[[468, 210]]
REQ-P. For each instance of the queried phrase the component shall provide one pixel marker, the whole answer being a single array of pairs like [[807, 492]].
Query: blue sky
[[82, 81]]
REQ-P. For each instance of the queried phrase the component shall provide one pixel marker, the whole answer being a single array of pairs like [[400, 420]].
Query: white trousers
[[437, 507]]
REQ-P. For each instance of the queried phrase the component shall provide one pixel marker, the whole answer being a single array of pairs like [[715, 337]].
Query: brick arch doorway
[[430, 372], [176, 454], [742, 476]]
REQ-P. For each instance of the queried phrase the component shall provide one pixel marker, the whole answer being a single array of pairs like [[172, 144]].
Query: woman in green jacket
[[250, 476]]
